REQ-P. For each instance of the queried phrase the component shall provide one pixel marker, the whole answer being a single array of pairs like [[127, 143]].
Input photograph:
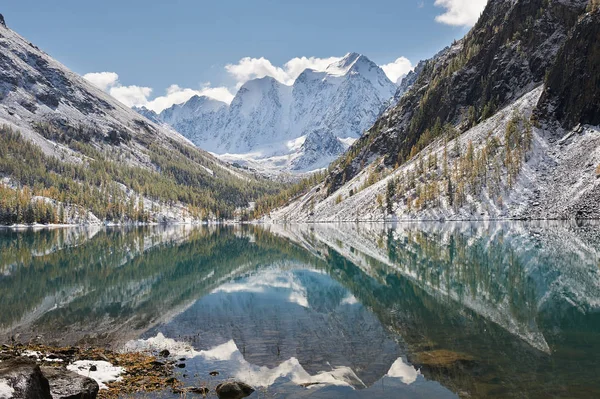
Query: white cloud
[[102, 80], [247, 68], [296, 66], [140, 96], [398, 69], [178, 95], [109, 82], [131, 95], [255, 68], [460, 12]]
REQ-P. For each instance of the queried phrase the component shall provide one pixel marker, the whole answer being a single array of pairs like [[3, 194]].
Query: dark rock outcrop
[[164, 353], [234, 390], [66, 384], [149, 114], [572, 93], [318, 144], [25, 378], [411, 78], [2, 21]]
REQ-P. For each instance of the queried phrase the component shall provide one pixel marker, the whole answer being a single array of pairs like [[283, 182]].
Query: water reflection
[[415, 310], [285, 312]]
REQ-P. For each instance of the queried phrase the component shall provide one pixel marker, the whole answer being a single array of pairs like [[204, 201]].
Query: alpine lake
[[414, 310]]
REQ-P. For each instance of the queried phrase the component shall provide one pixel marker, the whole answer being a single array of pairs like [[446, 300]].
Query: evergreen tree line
[[113, 189], [19, 207], [489, 170], [269, 202]]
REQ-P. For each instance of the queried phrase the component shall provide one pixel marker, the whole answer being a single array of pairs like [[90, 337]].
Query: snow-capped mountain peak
[[206, 103], [343, 66], [267, 119]]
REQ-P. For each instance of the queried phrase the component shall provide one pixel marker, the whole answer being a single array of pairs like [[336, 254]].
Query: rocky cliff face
[[572, 92]]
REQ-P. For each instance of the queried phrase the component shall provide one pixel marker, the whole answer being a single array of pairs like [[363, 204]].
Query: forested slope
[[70, 153]]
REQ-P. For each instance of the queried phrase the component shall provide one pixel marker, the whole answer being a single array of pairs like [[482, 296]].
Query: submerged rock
[[234, 390], [24, 380], [442, 358], [66, 384], [200, 390]]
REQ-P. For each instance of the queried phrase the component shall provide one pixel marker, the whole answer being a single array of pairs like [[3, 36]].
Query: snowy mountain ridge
[[274, 126]]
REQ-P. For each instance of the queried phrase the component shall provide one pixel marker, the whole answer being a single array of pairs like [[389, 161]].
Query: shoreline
[[95, 372], [23, 227], [115, 373]]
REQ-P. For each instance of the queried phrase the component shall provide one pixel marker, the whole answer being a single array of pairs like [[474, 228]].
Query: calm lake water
[[470, 310]]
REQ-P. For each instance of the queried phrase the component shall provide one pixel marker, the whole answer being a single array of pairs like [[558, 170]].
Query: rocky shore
[[36, 371]]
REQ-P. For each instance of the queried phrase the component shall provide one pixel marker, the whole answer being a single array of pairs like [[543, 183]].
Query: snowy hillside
[[92, 159], [556, 176], [302, 127]]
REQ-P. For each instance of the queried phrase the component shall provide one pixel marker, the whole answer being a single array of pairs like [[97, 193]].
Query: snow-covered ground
[[558, 180], [286, 157]]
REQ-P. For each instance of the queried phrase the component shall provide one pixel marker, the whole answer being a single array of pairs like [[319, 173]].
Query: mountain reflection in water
[[481, 310]]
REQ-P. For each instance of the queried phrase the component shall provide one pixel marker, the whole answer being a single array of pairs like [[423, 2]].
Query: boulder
[[23, 379], [164, 353], [65, 384], [233, 390]]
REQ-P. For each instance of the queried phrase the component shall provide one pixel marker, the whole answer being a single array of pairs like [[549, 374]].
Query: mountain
[[502, 124], [572, 91], [148, 114], [300, 127], [71, 153]]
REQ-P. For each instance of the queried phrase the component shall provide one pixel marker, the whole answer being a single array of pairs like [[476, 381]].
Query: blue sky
[[146, 47]]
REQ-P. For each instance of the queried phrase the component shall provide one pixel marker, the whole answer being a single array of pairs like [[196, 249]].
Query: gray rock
[[2, 22], [233, 390], [66, 384], [25, 378]]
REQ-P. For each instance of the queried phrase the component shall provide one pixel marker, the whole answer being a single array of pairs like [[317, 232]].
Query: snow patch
[[6, 391], [407, 373], [105, 372]]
